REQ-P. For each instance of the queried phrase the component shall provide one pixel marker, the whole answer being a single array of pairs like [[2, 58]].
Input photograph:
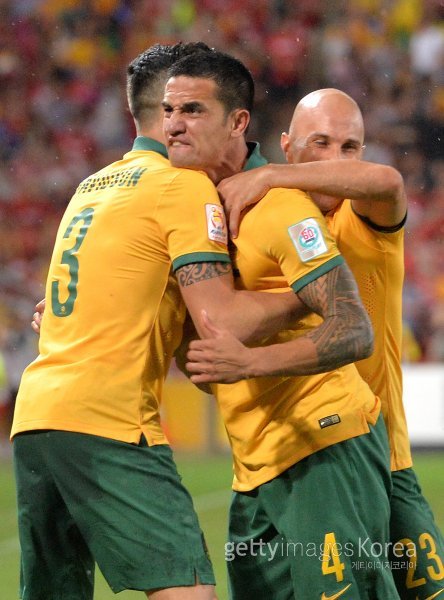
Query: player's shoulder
[[185, 185], [293, 201], [189, 182], [190, 177], [343, 210], [280, 209], [287, 195]]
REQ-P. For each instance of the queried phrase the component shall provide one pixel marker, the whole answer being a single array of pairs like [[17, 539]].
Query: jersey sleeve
[[298, 237], [345, 224], [193, 221]]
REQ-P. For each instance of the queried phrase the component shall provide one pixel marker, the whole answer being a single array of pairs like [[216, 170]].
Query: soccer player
[[368, 226], [219, 136], [96, 481], [310, 454]]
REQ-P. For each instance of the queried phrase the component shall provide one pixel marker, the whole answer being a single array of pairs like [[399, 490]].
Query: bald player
[[365, 207]]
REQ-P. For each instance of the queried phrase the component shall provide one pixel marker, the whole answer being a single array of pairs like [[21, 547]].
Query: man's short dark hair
[[146, 76], [233, 79]]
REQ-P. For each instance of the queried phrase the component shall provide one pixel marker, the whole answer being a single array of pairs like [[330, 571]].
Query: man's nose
[[175, 123]]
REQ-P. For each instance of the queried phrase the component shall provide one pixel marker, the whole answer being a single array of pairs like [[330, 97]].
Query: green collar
[[255, 158], [145, 143]]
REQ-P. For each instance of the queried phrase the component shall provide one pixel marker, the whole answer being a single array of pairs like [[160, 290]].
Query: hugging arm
[[344, 336], [38, 316], [180, 354], [250, 316], [376, 191]]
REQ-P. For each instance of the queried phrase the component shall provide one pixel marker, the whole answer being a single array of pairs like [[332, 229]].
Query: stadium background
[[63, 115]]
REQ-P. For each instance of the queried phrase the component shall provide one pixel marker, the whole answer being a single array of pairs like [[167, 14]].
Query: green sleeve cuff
[[200, 257], [318, 272]]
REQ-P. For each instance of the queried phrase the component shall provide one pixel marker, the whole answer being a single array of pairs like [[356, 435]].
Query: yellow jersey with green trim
[[114, 312], [274, 422], [376, 258]]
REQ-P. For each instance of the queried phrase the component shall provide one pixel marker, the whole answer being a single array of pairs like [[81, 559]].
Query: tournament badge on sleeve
[[217, 226], [308, 239]]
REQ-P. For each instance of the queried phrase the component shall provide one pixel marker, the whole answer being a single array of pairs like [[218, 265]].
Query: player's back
[[113, 314]]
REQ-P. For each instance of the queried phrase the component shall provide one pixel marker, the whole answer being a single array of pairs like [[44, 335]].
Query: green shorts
[[417, 544], [318, 530], [85, 499]]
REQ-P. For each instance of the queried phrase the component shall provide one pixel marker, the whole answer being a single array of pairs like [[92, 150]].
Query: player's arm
[[377, 191], [189, 333], [250, 316], [344, 336]]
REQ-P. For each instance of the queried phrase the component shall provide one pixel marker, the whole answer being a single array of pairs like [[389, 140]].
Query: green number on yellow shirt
[[63, 309]]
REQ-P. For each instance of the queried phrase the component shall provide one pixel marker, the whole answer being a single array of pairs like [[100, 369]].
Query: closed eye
[[167, 109], [350, 147]]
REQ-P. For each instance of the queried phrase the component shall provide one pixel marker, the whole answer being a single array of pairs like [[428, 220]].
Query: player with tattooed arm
[[300, 509], [368, 227]]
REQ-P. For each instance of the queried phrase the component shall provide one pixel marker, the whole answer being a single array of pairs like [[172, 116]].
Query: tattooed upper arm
[[345, 334], [196, 272], [332, 292]]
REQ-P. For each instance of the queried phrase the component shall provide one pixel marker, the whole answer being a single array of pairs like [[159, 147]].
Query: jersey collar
[[255, 158], [145, 143]]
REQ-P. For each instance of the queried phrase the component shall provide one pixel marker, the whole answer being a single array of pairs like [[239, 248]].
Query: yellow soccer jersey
[[274, 422], [376, 259], [114, 312]]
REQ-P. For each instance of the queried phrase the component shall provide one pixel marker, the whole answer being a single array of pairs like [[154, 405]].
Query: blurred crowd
[[63, 115]]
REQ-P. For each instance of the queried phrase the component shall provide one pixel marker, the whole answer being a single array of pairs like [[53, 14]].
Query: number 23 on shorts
[[435, 567]]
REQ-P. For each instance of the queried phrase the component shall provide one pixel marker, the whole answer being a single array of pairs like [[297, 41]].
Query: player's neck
[[231, 162], [154, 131]]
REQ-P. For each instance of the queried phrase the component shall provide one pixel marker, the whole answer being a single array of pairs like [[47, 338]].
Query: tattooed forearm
[[195, 272], [345, 334]]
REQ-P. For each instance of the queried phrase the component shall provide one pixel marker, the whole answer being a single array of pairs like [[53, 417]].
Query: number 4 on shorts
[[331, 557]]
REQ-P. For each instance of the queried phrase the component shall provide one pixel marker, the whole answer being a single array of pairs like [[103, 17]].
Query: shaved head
[[330, 112], [324, 96]]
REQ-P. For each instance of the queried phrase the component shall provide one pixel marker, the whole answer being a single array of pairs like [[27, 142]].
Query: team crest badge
[[217, 227], [308, 239]]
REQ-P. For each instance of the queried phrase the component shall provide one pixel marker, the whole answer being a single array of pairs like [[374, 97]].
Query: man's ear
[[285, 144], [240, 121]]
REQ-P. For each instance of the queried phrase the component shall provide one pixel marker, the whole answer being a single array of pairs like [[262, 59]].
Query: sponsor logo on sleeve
[[217, 227], [308, 239]]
